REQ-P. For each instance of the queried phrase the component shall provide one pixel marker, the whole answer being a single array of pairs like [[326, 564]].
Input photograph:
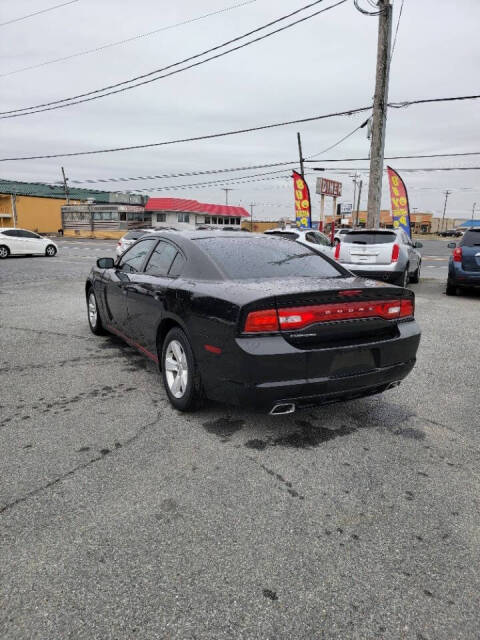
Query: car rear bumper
[[271, 371], [376, 273], [460, 278]]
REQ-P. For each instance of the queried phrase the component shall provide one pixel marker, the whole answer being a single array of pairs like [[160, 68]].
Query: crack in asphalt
[[57, 363], [47, 332], [280, 478], [104, 453]]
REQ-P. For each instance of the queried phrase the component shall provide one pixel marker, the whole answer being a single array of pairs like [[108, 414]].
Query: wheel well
[[6, 247], [162, 331], [88, 286]]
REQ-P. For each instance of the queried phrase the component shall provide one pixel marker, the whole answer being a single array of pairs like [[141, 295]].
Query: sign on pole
[[303, 211], [399, 199], [326, 187]]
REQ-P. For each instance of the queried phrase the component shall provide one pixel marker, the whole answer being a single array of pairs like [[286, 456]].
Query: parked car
[[308, 237], [129, 238], [464, 263], [16, 242], [381, 254], [253, 320], [450, 233], [339, 234]]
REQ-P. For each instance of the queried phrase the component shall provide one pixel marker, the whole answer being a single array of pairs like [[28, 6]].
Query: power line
[[36, 13], [82, 97], [184, 174], [211, 136], [126, 40], [338, 141], [396, 30], [192, 139]]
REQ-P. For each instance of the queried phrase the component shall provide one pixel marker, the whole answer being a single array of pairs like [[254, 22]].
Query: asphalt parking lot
[[122, 518]]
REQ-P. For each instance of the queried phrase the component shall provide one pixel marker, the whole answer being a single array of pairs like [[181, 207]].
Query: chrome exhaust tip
[[282, 409]]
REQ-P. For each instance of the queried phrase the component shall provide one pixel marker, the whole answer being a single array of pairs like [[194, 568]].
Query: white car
[[16, 242], [129, 238], [309, 237], [339, 235]]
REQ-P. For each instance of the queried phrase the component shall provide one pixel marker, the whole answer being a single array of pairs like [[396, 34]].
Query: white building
[[189, 214]]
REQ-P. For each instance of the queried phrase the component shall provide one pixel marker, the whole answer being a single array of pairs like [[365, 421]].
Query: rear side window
[[317, 238], [246, 258], [161, 259], [12, 233], [370, 237], [471, 238], [177, 266]]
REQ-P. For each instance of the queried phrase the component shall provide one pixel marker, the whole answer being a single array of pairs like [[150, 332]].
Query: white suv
[[309, 237]]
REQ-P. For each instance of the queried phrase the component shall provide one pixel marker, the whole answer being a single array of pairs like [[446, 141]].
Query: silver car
[[309, 237], [381, 254]]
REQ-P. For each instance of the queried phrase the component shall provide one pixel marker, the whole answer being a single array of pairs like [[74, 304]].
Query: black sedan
[[254, 320]]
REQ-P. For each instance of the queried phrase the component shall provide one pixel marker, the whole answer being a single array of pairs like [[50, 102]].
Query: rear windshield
[[245, 258], [471, 238], [370, 237]]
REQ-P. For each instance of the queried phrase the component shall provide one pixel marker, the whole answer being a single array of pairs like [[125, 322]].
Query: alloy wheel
[[3, 252], [176, 369], [50, 251], [92, 310]]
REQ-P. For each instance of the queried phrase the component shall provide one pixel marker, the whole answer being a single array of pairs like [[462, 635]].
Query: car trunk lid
[[367, 247]]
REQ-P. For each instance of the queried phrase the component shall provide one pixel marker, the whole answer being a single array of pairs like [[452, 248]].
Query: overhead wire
[[36, 13], [199, 172], [396, 30], [335, 144], [127, 40], [348, 112], [105, 91]]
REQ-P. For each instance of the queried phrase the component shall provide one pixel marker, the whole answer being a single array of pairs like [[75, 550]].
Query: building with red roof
[[188, 214]]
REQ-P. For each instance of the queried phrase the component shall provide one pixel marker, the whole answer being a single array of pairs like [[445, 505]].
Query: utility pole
[[358, 203], [379, 116], [299, 140], [252, 204], [354, 180], [65, 186], [473, 210], [226, 189], [447, 193], [14, 209]]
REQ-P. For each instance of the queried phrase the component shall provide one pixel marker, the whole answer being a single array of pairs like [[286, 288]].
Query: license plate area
[[352, 362]]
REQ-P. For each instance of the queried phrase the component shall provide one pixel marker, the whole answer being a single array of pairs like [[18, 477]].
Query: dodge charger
[[253, 320]]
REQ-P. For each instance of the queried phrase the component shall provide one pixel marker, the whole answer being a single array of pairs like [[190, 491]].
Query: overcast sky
[[323, 65]]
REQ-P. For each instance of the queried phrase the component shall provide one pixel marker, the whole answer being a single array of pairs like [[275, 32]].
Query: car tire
[[50, 251], [402, 278], [93, 314], [4, 252], [451, 289], [415, 277], [180, 372]]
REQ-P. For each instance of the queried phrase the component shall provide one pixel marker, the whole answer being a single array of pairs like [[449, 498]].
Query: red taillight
[[336, 255], [395, 252], [292, 318], [407, 308], [457, 254], [258, 321]]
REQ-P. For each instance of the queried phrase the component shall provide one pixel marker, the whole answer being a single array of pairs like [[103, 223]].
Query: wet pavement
[[122, 518]]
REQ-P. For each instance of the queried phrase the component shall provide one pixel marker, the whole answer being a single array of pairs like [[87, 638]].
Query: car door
[[12, 240], [120, 278], [149, 294], [32, 242], [413, 259]]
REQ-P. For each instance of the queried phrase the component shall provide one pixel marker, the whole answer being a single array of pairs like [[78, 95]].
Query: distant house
[[188, 214]]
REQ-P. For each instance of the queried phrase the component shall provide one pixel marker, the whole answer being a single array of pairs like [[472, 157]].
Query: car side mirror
[[451, 245], [105, 263], [418, 245]]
